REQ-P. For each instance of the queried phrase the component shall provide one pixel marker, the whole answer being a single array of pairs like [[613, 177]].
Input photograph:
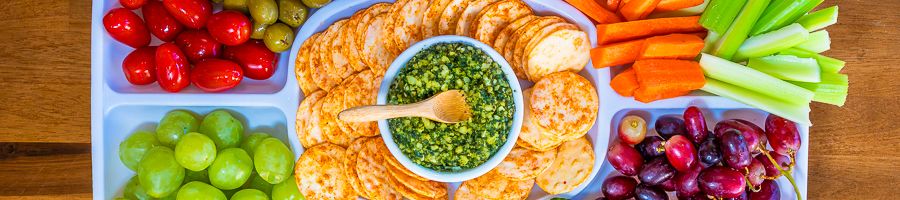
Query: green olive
[[264, 11], [239, 5], [259, 30], [279, 37], [292, 12], [316, 3]]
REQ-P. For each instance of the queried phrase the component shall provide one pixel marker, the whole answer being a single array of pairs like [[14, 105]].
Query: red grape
[[743, 196], [681, 153], [624, 158], [756, 173], [771, 170], [647, 192], [750, 132], [768, 191], [686, 182], [734, 150], [698, 196], [782, 134], [633, 129], [619, 187], [668, 126], [709, 153], [668, 185], [695, 124], [721, 182], [760, 133], [651, 147], [657, 171]]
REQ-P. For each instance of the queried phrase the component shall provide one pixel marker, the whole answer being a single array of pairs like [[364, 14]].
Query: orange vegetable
[[666, 78], [595, 11], [624, 31], [616, 54], [674, 46], [701, 34], [611, 5], [638, 9], [625, 83], [672, 5]]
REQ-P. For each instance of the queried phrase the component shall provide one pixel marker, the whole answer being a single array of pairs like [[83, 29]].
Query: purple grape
[[624, 158], [656, 171], [751, 133], [647, 192], [709, 153], [695, 125], [686, 182], [668, 126], [651, 147], [721, 182], [734, 150], [619, 187], [743, 196], [756, 173], [783, 135], [668, 185], [767, 191]]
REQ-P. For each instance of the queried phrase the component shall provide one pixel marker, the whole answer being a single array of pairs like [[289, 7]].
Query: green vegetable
[[223, 129], [249, 194], [710, 41], [818, 42], [831, 90], [159, 173], [273, 161], [200, 190], [819, 19], [195, 151], [772, 42], [828, 64], [739, 75], [787, 67], [287, 190], [781, 13], [692, 11], [175, 124], [135, 146], [720, 13], [795, 112], [231, 169], [728, 45]]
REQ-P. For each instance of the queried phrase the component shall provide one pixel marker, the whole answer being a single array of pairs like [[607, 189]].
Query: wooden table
[[45, 150]]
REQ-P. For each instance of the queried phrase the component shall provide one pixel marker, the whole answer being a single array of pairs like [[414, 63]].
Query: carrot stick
[[645, 96], [701, 34], [638, 9], [674, 46], [625, 83], [673, 5], [624, 31], [611, 5], [616, 54], [596, 12], [666, 78]]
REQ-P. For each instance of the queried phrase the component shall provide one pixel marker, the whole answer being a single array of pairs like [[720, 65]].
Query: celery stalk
[[781, 13], [739, 75], [818, 42], [710, 41], [819, 19], [787, 67], [831, 90], [728, 45], [692, 11], [720, 13], [828, 64], [795, 112], [772, 42]]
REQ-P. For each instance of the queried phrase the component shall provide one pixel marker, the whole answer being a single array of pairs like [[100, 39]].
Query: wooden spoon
[[446, 107]]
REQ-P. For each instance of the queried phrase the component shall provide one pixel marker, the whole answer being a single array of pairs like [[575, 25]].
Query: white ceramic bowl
[[467, 174]]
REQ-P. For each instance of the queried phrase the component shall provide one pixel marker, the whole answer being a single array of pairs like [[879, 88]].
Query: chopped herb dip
[[464, 145]]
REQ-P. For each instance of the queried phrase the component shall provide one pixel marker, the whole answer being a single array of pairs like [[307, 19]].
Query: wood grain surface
[[45, 91]]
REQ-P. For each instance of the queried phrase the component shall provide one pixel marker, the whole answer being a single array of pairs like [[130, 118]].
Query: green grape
[[258, 183], [133, 190], [195, 151], [200, 190], [190, 176], [231, 169], [174, 125], [287, 190], [249, 194], [250, 143], [159, 173], [222, 128], [230, 193], [133, 148], [273, 160]]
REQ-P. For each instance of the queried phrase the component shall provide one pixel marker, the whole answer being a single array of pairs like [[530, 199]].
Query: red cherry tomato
[[140, 66], [132, 4], [160, 22], [258, 61], [191, 13], [172, 68], [229, 27], [216, 75], [197, 45], [126, 27]]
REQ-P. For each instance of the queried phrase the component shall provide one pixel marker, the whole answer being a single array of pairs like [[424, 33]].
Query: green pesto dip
[[460, 146]]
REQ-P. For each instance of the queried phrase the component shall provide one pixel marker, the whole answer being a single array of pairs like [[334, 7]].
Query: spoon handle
[[379, 112]]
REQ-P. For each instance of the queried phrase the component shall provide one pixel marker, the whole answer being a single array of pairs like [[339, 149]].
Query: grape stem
[[785, 173]]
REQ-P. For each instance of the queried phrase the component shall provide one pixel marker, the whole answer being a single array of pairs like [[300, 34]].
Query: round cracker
[[350, 166], [563, 50], [340, 65], [432, 18], [564, 104], [504, 35], [430, 189], [522, 35], [574, 162], [303, 67], [320, 173], [349, 47], [527, 36], [389, 159], [497, 16], [450, 16], [408, 23], [390, 26], [322, 62], [464, 193], [330, 106], [307, 125], [492, 185], [524, 164], [372, 172], [359, 89], [530, 137], [519, 56], [409, 193], [376, 45], [362, 28], [467, 19]]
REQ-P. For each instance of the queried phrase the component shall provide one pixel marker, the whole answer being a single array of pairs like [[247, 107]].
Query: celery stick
[[832, 90], [739, 75], [720, 13], [772, 42], [781, 13], [787, 67], [692, 11], [819, 19], [740, 29], [795, 112], [828, 64], [710, 41], [818, 42]]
